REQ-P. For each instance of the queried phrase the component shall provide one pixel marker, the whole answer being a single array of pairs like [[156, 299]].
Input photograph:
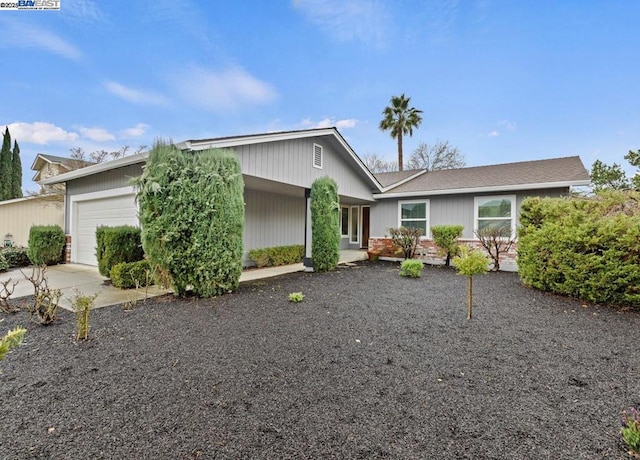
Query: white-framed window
[[354, 226], [318, 154], [414, 214], [344, 221], [495, 211]]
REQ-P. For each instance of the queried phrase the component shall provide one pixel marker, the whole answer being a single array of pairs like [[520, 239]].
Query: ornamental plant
[[407, 239], [10, 340], [325, 224], [46, 243], [446, 238], [296, 297], [82, 305], [192, 218], [411, 268], [470, 263], [631, 429]]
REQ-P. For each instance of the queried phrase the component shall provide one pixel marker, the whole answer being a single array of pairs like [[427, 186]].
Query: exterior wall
[[446, 210], [272, 220], [115, 178], [17, 216], [291, 162]]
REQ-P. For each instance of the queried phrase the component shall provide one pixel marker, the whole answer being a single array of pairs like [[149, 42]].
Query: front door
[[364, 241]]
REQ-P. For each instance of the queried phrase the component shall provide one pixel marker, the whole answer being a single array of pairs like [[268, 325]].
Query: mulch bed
[[369, 365]]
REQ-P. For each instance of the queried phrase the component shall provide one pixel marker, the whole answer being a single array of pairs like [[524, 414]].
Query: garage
[[90, 213]]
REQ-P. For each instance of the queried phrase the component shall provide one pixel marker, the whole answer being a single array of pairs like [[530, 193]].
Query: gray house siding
[[291, 162], [272, 220], [115, 178], [445, 210]]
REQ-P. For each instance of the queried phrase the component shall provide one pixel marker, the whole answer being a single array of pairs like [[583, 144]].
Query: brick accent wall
[[67, 249], [428, 252]]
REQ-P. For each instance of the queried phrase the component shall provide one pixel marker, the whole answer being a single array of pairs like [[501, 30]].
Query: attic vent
[[317, 156]]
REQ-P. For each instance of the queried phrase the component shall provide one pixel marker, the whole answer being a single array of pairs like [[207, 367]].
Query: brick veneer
[[67, 249], [428, 251]]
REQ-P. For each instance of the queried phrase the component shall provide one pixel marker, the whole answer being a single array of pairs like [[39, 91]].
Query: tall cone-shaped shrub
[[192, 216], [325, 224]]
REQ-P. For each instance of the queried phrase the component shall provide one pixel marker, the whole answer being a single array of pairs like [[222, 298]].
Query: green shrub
[[10, 340], [586, 247], [82, 305], [192, 218], [470, 263], [296, 297], [631, 429], [278, 255], [46, 244], [407, 239], [115, 245], [4, 264], [446, 238], [125, 274], [325, 224], [411, 268], [16, 256]]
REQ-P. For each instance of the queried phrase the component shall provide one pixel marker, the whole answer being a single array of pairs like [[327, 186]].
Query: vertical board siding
[[17, 217], [291, 162], [272, 219]]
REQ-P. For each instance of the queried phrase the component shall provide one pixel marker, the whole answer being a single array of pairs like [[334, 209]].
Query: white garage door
[[90, 214]]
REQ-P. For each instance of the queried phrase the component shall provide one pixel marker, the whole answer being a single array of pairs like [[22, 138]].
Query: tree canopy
[[400, 120], [10, 169], [613, 177], [441, 155]]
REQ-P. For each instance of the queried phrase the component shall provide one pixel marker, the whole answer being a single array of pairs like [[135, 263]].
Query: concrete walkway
[[76, 279]]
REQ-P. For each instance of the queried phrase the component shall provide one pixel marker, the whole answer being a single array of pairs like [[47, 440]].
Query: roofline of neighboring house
[[487, 189], [404, 181], [26, 198], [223, 142]]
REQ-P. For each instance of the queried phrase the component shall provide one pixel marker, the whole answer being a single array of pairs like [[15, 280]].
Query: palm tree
[[400, 119]]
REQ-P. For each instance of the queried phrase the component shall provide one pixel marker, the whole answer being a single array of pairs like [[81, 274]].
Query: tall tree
[[604, 176], [440, 155], [377, 164], [400, 119], [16, 165], [634, 160], [6, 171]]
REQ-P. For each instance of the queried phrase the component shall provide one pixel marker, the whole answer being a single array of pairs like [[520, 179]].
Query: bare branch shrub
[[5, 293], [496, 240], [45, 300]]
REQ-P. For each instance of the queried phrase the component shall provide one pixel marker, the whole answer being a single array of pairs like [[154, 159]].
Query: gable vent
[[317, 156]]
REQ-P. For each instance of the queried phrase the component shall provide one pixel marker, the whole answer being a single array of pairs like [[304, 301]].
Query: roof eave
[[493, 189], [403, 181], [95, 169]]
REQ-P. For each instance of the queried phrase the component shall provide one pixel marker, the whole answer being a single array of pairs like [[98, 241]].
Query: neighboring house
[[19, 215], [278, 170]]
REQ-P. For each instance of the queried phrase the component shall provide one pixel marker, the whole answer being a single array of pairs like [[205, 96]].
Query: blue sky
[[501, 80]]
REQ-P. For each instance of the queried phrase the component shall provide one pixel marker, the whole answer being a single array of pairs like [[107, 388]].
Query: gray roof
[[558, 172], [388, 178]]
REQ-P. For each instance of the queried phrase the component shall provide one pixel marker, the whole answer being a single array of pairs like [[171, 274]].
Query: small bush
[[631, 429], [16, 256], [278, 255], [45, 300], [4, 265], [128, 275], [46, 244], [411, 268], [446, 238], [471, 263], [10, 340], [116, 245], [82, 305], [296, 297], [407, 239]]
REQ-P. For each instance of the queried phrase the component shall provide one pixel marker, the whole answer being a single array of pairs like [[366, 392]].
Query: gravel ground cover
[[369, 365]]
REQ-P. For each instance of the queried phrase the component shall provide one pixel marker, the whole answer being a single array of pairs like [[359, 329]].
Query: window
[[344, 221], [355, 215], [317, 156], [414, 214], [495, 211]]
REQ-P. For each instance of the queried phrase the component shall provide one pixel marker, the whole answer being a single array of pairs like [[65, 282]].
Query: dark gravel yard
[[369, 365]]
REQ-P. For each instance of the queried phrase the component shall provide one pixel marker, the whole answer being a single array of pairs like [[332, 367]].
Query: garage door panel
[[91, 214]]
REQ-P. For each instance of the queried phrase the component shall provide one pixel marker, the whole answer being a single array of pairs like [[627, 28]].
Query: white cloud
[[135, 131], [24, 35], [96, 134], [363, 20], [493, 134], [82, 10], [509, 125], [223, 90], [135, 96], [329, 122], [40, 132]]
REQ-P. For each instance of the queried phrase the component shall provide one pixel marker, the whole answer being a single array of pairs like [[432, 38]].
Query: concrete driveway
[[75, 279]]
